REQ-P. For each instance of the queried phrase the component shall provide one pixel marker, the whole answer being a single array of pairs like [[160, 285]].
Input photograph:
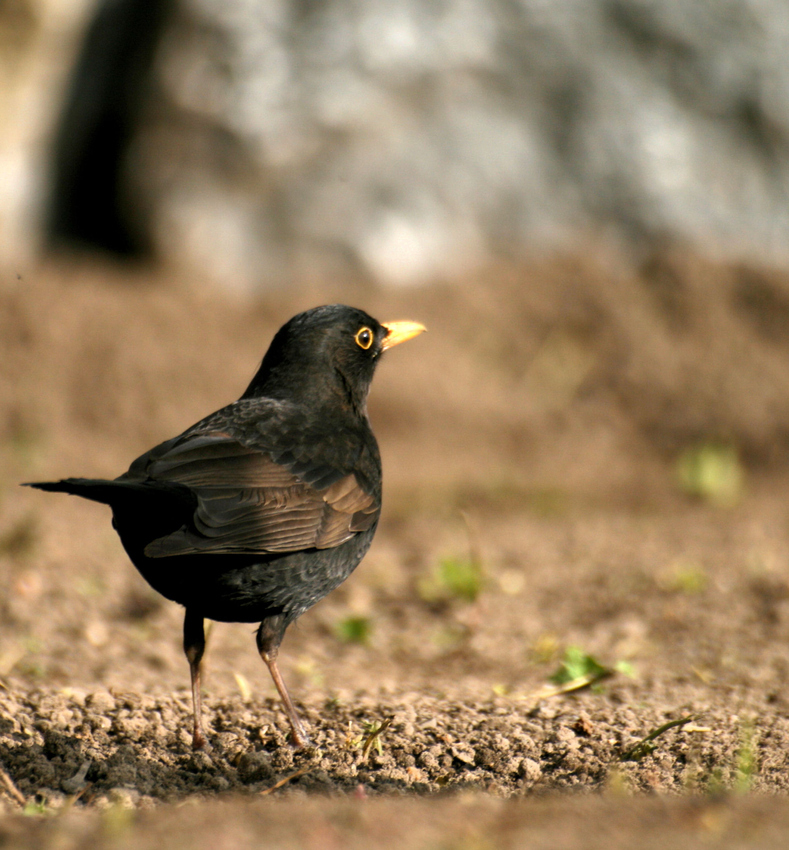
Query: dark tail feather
[[142, 510], [148, 496], [96, 489]]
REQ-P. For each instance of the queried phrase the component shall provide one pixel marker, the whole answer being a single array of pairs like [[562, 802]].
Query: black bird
[[259, 510]]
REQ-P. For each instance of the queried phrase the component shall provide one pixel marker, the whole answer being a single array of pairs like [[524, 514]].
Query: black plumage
[[259, 510]]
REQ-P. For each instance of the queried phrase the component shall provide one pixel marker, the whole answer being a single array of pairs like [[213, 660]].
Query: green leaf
[[455, 578], [354, 630], [712, 471], [625, 668], [578, 664]]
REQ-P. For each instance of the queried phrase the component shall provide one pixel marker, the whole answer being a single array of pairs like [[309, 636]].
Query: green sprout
[[355, 629], [645, 746], [685, 577], [712, 471], [746, 767], [371, 737], [455, 578], [579, 666]]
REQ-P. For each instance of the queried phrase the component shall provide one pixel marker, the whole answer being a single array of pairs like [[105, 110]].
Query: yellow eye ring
[[364, 338]]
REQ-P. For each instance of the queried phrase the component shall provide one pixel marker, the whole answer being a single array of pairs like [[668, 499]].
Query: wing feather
[[248, 502]]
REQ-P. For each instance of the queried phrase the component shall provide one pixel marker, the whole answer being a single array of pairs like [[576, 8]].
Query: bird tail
[[147, 496], [95, 489], [142, 510]]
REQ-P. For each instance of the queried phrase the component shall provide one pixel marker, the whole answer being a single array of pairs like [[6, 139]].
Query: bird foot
[[200, 744], [301, 740]]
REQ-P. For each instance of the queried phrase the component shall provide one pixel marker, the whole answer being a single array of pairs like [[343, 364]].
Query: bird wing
[[248, 502]]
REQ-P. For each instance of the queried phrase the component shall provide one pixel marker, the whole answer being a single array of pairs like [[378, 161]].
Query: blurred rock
[[413, 141]]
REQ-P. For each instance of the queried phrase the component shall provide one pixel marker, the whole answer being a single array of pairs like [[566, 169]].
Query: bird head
[[327, 351]]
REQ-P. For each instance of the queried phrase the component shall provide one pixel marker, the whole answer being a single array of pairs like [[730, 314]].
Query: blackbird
[[259, 510]]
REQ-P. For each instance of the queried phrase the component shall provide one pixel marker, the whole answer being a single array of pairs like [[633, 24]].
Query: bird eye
[[364, 338]]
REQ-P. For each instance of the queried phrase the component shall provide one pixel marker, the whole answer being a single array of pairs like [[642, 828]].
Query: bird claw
[[200, 743], [302, 742]]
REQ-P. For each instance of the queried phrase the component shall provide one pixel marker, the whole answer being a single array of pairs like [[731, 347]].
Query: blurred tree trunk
[[92, 203]]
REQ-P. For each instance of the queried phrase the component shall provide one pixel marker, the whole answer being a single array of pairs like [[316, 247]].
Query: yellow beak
[[397, 332]]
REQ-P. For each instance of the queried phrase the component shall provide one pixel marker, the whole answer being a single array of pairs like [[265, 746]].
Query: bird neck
[[332, 392]]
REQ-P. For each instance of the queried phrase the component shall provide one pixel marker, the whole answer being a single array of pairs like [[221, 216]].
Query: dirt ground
[[581, 462]]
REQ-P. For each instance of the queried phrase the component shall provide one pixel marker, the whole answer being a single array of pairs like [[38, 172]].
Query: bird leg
[[268, 641], [194, 647]]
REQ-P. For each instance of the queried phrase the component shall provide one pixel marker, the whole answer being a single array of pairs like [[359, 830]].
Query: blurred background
[[605, 181], [262, 143], [585, 202]]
